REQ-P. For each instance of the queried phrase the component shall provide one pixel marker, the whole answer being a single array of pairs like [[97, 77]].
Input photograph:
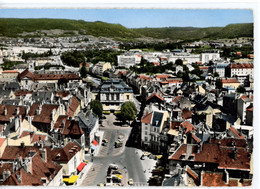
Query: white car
[[131, 182]]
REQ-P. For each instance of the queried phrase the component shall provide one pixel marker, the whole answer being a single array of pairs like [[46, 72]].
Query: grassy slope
[[12, 27]]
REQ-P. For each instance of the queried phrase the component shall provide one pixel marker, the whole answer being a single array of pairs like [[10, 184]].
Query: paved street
[[126, 158]]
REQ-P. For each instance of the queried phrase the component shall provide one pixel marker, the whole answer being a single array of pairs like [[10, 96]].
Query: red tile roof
[[213, 153], [33, 76], [193, 174], [188, 126], [33, 109], [195, 138], [177, 98], [2, 140], [72, 128], [162, 76], [203, 67], [229, 142], [155, 95], [73, 106], [186, 114], [63, 94], [45, 114], [238, 134], [251, 109], [241, 66], [147, 119], [231, 80], [216, 179], [22, 92], [40, 169], [10, 71], [11, 111], [175, 124]]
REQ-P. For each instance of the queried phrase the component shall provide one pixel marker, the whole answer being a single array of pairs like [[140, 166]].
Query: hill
[[191, 33], [15, 27]]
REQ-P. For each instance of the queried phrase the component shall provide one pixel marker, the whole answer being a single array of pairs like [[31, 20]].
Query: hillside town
[[176, 117]]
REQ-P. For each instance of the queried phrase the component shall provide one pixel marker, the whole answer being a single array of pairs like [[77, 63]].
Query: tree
[[97, 108], [128, 111], [83, 71], [179, 62], [62, 81], [241, 89], [216, 74]]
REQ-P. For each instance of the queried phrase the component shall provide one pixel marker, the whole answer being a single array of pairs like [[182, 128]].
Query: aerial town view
[[126, 97]]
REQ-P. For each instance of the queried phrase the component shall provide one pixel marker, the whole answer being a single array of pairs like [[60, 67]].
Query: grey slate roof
[[88, 122]]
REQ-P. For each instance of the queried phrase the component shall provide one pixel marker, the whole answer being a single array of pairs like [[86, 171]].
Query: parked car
[[131, 182], [113, 166]]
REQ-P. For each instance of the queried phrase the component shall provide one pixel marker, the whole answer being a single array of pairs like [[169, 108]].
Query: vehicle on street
[[113, 166], [118, 144], [131, 182]]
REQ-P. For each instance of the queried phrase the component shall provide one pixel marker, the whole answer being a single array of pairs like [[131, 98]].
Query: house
[[27, 78], [31, 166], [89, 123], [66, 129], [242, 104], [209, 56], [219, 68], [112, 94], [240, 70], [100, 68], [127, 61], [229, 82], [9, 74], [227, 155], [152, 126]]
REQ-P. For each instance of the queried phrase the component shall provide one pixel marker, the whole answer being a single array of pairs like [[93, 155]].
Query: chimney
[[28, 165], [5, 111], [22, 145], [43, 154], [235, 152], [226, 176], [17, 111], [18, 177]]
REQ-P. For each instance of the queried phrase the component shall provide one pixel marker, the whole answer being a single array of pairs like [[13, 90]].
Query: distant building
[[241, 71], [209, 56], [128, 60], [219, 68], [101, 67]]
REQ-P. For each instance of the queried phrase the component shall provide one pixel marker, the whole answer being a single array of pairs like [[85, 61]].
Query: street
[[127, 158]]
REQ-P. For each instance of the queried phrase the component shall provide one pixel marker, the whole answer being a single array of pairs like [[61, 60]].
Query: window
[[117, 96], [127, 97], [145, 138], [146, 128], [107, 96], [146, 133], [112, 96]]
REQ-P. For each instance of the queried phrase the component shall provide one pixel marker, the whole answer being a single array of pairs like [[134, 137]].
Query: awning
[[95, 143], [81, 166], [71, 180], [93, 147]]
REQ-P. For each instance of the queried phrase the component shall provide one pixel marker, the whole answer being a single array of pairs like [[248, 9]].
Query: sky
[[137, 18]]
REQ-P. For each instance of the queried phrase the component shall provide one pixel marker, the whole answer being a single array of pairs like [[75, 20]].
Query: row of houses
[[45, 131]]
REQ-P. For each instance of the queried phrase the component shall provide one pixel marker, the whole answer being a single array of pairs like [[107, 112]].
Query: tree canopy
[[83, 71], [128, 112], [97, 108], [241, 89]]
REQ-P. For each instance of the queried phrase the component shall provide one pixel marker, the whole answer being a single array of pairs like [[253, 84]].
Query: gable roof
[[186, 114], [73, 106], [11, 112], [155, 95], [188, 126], [147, 118], [45, 114]]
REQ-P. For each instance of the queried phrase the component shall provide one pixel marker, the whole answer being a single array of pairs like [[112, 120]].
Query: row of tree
[[75, 58], [127, 112]]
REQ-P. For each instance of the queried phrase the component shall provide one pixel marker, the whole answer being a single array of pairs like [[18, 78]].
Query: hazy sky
[[135, 18]]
